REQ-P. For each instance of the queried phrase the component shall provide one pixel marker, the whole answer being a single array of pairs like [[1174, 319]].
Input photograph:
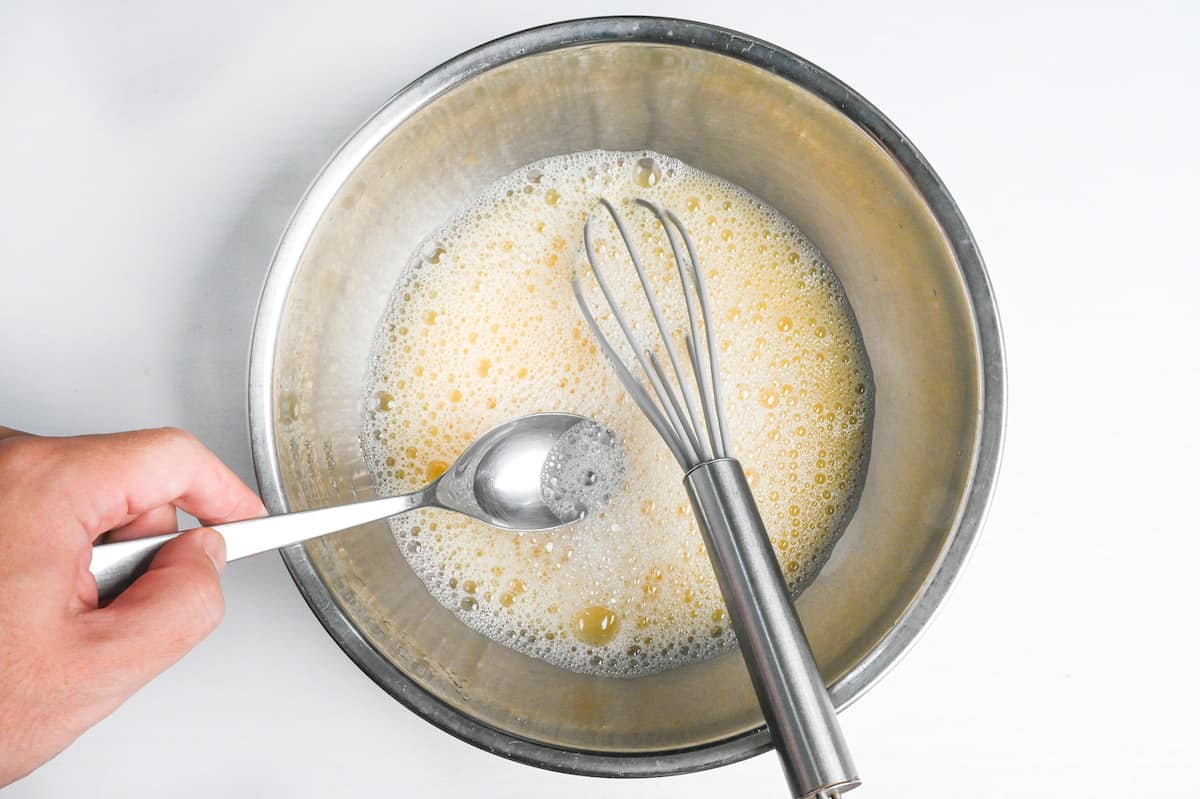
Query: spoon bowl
[[499, 479]]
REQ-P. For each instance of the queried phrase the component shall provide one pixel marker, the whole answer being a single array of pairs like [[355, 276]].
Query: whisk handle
[[794, 699]]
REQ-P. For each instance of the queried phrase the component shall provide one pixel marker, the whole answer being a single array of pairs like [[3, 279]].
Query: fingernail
[[214, 547]]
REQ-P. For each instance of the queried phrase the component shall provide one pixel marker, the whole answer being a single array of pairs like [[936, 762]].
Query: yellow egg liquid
[[482, 327]]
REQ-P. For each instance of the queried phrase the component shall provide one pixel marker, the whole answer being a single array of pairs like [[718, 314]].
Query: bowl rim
[[642, 30]]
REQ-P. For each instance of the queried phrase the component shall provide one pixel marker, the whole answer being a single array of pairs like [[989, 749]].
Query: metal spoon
[[497, 480]]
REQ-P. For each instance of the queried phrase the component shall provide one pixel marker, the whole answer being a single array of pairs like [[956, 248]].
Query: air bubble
[[646, 173]]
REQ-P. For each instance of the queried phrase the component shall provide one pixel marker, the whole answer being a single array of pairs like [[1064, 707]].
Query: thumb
[[166, 611]]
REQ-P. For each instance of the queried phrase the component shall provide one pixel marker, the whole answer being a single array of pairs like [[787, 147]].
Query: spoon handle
[[118, 564]]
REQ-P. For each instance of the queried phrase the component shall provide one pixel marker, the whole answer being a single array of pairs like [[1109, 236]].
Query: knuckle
[[174, 436]]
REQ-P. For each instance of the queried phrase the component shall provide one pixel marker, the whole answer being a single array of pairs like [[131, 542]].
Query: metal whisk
[[689, 415]]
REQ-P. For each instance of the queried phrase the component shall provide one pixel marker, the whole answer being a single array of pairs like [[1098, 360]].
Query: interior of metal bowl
[[764, 120]]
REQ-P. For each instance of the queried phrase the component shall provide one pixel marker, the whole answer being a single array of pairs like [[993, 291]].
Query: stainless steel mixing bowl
[[734, 106]]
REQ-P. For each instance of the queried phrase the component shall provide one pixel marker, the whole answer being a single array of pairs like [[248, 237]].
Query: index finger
[[114, 478]]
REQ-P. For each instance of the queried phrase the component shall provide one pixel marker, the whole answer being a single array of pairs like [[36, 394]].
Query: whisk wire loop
[[636, 390], [688, 414], [704, 379], [716, 397], [691, 431], [681, 439]]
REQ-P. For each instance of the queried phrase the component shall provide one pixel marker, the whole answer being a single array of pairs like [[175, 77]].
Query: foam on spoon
[[583, 471], [482, 327]]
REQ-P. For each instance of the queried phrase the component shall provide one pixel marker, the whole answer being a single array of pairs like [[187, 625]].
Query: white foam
[[482, 327], [583, 471]]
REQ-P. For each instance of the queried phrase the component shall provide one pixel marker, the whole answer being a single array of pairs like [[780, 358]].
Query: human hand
[[65, 663]]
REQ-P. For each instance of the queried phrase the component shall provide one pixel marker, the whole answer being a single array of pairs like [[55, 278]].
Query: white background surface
[[150, 154]]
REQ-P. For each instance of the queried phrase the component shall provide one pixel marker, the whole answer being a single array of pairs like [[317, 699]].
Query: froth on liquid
[[482, 327], [583, 471]]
